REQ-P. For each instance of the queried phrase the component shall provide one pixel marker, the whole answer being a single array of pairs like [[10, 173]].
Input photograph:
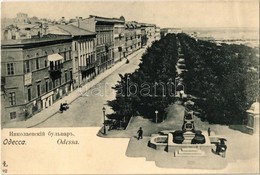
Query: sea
[[230, 35]]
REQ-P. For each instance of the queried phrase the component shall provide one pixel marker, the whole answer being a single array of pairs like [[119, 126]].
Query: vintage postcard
[[130, 87]]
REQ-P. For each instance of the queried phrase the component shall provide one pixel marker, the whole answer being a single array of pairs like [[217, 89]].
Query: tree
[[157, 67], [222, 76]]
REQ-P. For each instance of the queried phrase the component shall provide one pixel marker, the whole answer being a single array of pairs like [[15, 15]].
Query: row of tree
[[223, 76], [151, 87]]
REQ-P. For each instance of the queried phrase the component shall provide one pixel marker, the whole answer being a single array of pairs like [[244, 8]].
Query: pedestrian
[[181, 94], [140, 133], [209, 130], [61, 107]]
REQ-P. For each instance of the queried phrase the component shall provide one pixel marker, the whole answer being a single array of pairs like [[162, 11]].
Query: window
[[10, 68], [50, 85], [53, 82], [12, 115], [12, 100], [71, 75], [45, 63], [37, 63], [38, 90], [46, 86], [70, 55], [27, 66], [66, 77], [29, 95]]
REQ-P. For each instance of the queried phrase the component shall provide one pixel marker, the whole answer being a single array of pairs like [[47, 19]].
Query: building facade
[[84, 60], [21, 18], [148, 33], [132, 37], [119, 39], [104, 29], [36, 73]]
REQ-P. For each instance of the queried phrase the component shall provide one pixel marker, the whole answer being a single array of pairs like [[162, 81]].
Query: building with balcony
[[35, 73], [84, 60], [104, 29], [132, 37]]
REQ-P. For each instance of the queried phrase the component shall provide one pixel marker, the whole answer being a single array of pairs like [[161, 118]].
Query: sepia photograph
[[130, 87]]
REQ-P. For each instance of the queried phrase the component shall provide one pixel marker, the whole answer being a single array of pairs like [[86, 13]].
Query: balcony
[[55, 71], [56, 68], [88, 66]]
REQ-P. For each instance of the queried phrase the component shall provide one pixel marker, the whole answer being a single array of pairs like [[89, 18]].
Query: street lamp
[[104, 114], [156, 112]]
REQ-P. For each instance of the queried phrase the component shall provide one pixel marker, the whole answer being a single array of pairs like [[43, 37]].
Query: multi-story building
[[144, 37], [21, 18], [84, 59], [119, 39], [35, 73], [150, 32], [104, 28], [132, 37]]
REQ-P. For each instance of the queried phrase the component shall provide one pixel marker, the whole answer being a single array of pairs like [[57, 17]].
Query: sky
[[165, 13]]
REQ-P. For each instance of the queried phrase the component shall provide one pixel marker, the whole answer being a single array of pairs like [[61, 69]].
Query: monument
[[185, 142]]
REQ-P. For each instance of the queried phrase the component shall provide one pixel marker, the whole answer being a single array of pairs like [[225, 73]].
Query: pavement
[[242, 154], [47, 113], [242, 149]]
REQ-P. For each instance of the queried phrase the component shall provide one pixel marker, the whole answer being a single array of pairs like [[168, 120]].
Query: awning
[[55, 57]]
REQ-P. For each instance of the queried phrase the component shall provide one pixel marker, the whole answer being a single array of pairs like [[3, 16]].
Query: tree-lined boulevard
[[157, 65]]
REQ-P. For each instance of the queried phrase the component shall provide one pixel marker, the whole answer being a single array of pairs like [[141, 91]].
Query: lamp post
[[104, 114], [156, 112]]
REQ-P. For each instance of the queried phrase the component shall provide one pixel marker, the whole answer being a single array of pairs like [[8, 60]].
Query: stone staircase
[[186, 152], [188, 136]]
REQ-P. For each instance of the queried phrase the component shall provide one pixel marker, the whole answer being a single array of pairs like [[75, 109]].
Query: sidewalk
[[47, 113]]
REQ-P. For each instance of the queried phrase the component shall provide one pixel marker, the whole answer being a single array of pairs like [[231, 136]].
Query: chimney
[[78, 23], [17, 35]]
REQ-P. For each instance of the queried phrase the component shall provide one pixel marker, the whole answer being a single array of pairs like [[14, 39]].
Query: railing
[[55, 69], [87, 67]]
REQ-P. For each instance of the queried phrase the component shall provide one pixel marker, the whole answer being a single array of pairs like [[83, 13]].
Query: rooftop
[[147, 25], [35, 40], [132, 24], [75, 31], [105, 19]]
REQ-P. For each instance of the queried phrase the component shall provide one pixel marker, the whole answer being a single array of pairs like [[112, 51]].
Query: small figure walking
[[140, 133], [181, 94], [209, 131]]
